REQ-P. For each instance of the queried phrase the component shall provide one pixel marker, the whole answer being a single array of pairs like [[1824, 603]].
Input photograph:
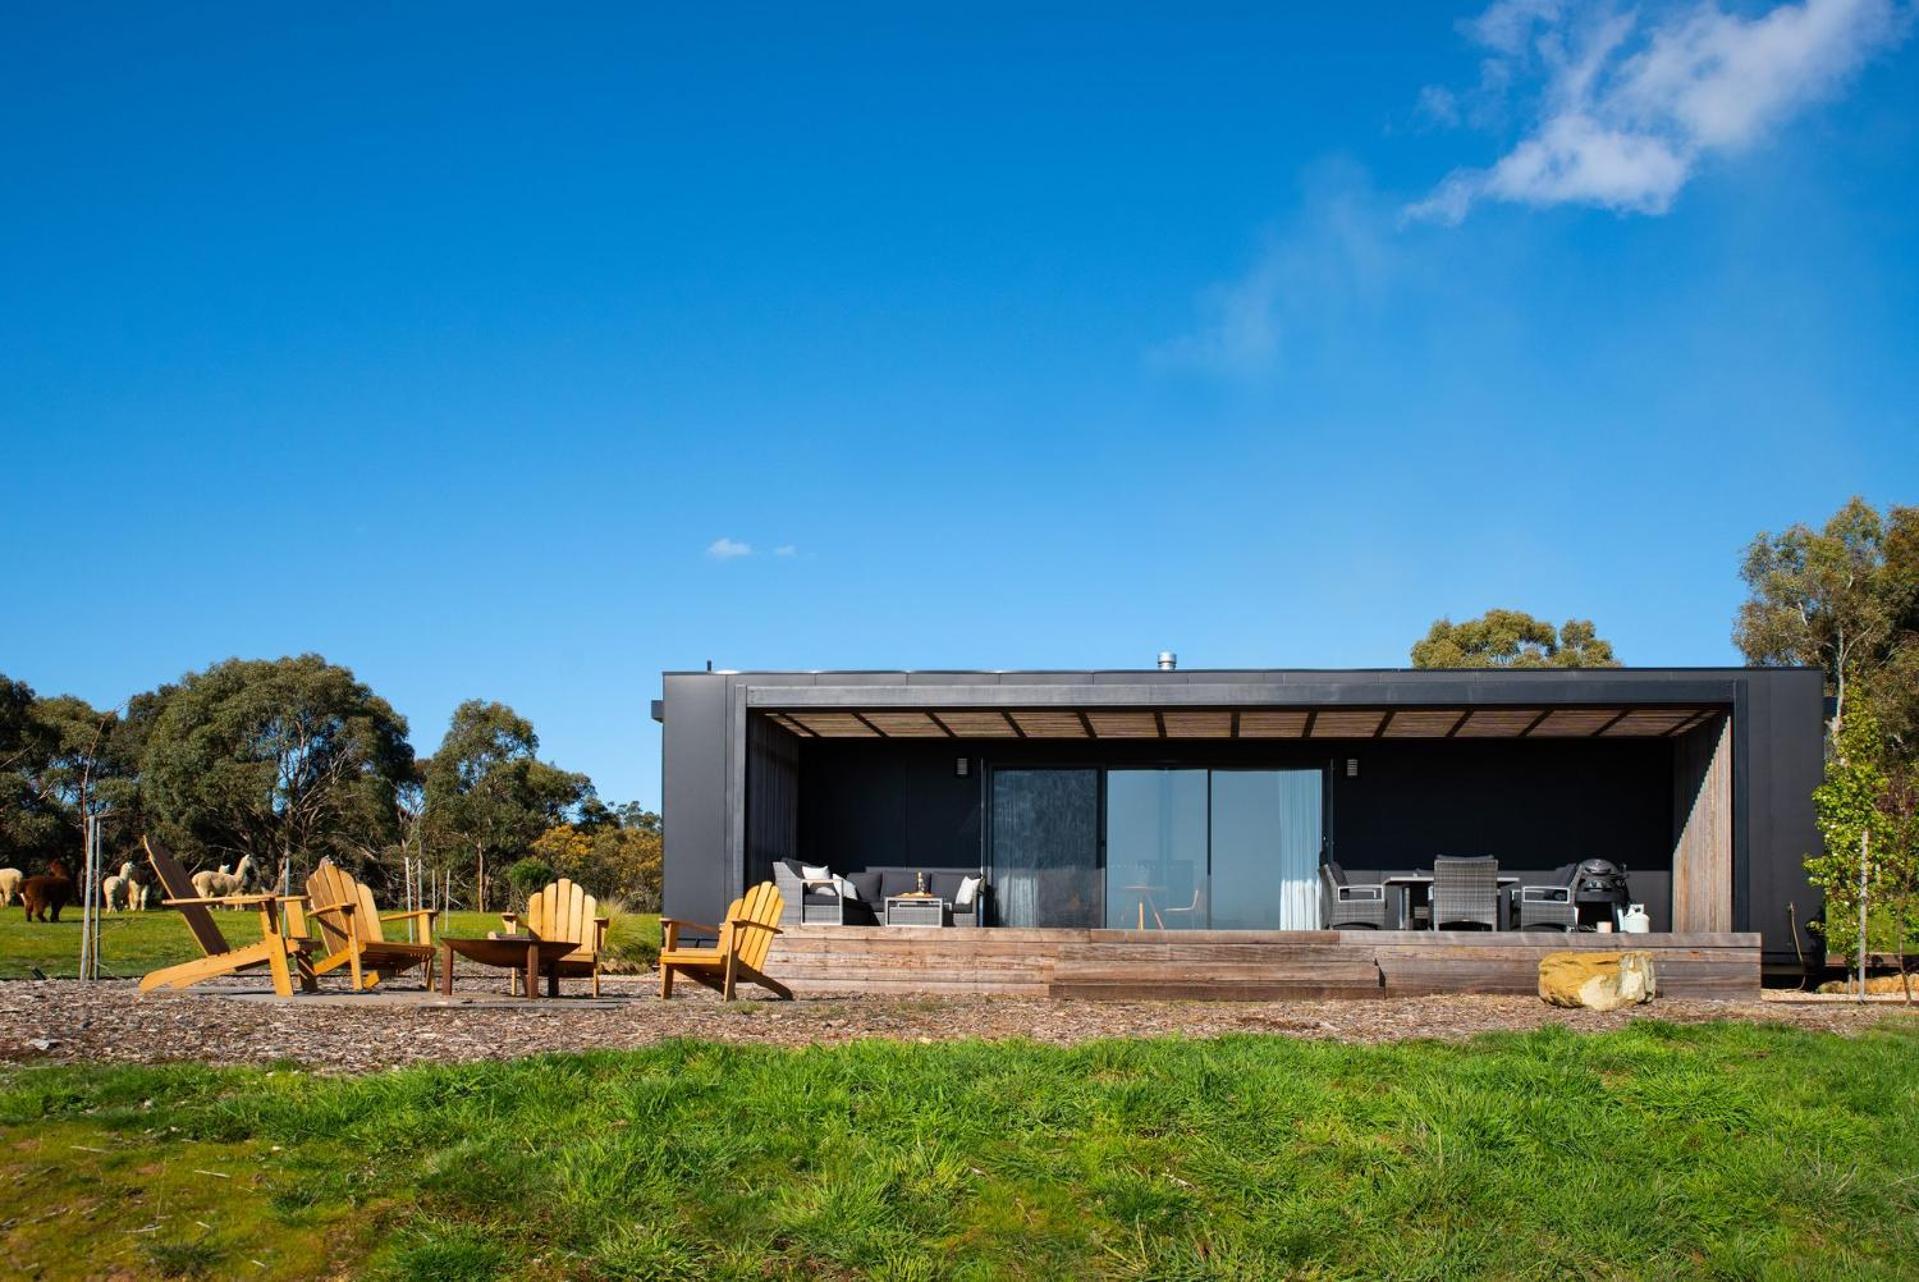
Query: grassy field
[[131, 944], [1657, 1151]]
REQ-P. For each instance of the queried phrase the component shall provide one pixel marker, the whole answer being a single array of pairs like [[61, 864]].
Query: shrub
[[528, 877]]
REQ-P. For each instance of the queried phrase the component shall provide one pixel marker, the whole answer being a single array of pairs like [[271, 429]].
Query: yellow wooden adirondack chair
[[283, 954], [351, 930], [565, 911], [744, 938]]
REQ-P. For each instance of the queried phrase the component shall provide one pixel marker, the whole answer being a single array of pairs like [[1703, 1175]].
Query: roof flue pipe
[[1168, 661]]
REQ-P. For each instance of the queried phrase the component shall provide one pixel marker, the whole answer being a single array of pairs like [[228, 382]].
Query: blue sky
[[456, 342]]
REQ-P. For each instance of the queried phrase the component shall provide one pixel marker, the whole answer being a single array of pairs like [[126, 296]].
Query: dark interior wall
[[1532, 805], [864, 804], [772, 797]]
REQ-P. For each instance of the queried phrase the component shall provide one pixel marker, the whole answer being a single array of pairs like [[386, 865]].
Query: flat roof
[[1267, 704]]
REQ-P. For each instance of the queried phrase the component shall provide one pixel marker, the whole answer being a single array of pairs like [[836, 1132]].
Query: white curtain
[[1299, 841]]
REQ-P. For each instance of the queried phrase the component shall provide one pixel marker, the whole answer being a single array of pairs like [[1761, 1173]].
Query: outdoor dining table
[[1407, 882], [528, 954]]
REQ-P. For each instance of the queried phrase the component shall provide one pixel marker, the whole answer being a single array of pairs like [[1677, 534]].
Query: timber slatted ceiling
[[1247, 723], [835, 725], [1263, 724], [905, 725], [1421, 723], [1338, 724], [1051, 725], [1198, 725], [1564, 722], [1651, 721], [979, 725], [1124, 725], [1497, 723]]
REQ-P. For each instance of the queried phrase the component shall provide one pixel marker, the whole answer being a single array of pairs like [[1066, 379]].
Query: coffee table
[[525, 953], [915, 910]]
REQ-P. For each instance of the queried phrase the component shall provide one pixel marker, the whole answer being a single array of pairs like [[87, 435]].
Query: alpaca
[[117, 890], [47, 893], [215, 885], [10, 879]]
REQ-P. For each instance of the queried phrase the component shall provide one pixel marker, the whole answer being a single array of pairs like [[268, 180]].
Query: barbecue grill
[[1599, 890]]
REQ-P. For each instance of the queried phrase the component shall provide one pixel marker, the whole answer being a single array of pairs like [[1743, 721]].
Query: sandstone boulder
[[1597, 981]]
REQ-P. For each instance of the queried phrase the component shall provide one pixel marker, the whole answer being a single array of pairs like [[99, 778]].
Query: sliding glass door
[[1045, 826], [1265, 849], [1212, 849], [1155, 849]]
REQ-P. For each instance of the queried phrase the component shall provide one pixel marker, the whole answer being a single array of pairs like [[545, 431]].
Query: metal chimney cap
[[1168, 661]]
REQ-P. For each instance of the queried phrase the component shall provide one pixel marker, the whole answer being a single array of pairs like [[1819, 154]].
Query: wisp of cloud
[[1630, 104]]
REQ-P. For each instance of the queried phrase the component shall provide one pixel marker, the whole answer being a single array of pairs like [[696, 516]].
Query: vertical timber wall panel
[[1702, 829], [772, 797]]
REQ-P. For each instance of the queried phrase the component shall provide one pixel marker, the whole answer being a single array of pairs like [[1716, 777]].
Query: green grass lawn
[[131, 944], [1655, 1151]]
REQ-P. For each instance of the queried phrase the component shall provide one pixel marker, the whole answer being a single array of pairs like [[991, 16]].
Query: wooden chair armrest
[[508, 920], [428, 913], [345, 910], [681, 921], [232, 899], [756, 925]]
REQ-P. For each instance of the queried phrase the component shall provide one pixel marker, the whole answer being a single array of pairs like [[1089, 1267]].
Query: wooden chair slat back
[[174, 880], [761, 904], [367, 920], [564, 910], [330, 887]]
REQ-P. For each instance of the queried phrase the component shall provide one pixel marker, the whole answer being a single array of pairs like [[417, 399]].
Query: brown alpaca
[[49, 892]]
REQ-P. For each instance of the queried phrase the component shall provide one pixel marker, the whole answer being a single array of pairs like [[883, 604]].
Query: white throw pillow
[[847, 889], [815, 872], [967, 893]]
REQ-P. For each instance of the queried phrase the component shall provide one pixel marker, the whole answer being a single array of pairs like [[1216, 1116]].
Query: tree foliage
[[621, 863], [487, 792], [1844, 599], [280, 759], [1512, 639], [1855, 825]]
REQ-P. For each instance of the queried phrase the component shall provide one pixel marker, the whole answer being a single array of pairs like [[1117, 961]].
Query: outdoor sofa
[[821, 901]]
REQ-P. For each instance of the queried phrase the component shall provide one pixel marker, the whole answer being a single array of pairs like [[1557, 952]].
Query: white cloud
[[1629, 106], [725, 549], [786, 549], [1335, 256]]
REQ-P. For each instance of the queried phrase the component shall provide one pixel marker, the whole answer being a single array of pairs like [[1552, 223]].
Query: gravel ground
[[65, 1021]]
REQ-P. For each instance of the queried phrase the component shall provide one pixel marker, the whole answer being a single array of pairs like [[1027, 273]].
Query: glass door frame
[[1327, 768]]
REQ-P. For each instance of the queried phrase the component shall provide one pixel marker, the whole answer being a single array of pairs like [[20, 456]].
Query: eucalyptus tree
[[284, 760], [1512, 639], [489, 795]]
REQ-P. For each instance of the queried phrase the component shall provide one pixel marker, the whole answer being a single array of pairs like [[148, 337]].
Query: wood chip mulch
[[64, 1021]]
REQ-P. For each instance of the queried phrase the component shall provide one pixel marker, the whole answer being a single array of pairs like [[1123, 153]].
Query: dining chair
[[1465, 892]]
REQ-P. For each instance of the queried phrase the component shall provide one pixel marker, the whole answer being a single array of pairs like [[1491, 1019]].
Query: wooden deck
[[1230, 965]]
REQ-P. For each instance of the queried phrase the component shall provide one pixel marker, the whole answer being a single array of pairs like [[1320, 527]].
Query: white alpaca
[[214, 885], [117, 890], [10, 879], [217, 883]]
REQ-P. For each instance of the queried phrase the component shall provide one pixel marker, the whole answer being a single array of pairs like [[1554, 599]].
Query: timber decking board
[[1220, 964]]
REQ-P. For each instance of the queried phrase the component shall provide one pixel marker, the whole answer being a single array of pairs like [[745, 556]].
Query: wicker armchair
[[1466, 892], [1351, 904], [1547, 906], [806, 903]]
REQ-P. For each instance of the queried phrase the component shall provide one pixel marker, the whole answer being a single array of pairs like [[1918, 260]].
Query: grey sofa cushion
[[868, 884]]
